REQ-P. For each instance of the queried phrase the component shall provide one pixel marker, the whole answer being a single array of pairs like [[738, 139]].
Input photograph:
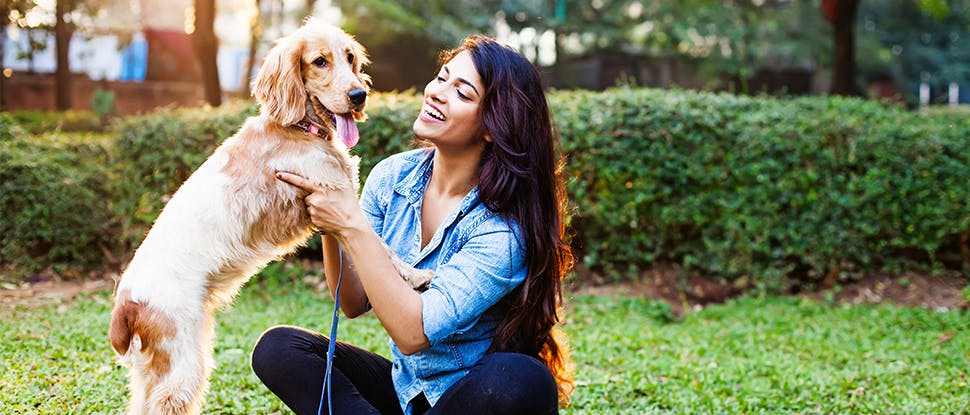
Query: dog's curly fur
[[232, 216]]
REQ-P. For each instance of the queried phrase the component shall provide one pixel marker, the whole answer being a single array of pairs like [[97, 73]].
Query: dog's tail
[[124, 316]]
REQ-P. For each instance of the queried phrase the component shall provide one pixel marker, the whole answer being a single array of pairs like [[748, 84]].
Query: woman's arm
[[353, 299], [395, 303]]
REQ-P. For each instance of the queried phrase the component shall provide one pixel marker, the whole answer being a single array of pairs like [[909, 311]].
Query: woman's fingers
[[297, 180]]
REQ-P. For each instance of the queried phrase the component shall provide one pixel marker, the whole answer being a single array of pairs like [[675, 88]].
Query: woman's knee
[[522, 380], [278, 343]]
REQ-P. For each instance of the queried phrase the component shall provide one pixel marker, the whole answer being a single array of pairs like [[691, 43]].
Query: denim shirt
[[477, 257]]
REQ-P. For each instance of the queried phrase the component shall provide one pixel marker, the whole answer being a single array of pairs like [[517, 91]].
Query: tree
[[255, 33], [6, 8], [63, 30], [842, 15], [65, 14], [403, 37], [206, 47], [915, 42]]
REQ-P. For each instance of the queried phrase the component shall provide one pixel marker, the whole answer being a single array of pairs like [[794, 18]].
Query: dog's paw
[[419, 279]]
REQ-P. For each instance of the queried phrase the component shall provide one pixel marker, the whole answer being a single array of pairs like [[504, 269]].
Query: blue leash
[[333, 340]]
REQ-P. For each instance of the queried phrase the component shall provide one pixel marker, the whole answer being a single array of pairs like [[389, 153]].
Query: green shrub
[[40, 122], [55, 203], [9, 128], [761, 188], [764, 191]]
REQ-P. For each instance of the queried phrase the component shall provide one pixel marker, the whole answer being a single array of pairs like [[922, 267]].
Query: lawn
[[752, 355]]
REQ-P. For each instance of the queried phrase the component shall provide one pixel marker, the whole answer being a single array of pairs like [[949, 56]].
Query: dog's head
[[317, 68]]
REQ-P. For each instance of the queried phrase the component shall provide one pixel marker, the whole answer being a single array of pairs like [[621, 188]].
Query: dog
[[232, 216]]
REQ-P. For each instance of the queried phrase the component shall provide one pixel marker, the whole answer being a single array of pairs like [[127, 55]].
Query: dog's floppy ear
[[279, 85]]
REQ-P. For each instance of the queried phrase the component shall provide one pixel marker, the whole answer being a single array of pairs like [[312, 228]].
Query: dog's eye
[[320, 62], [350, 58]]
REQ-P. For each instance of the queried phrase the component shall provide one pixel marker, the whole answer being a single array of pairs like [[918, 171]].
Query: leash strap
[[333, 340]]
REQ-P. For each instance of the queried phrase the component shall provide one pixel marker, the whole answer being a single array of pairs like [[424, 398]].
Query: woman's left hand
[[331, 210]]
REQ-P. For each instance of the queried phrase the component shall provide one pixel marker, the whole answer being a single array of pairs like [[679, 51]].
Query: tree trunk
[[62, 39], [843, 36], [4, 21], [255, 32], [206, 49]]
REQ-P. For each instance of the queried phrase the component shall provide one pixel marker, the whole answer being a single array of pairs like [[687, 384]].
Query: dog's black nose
[[357, 96]]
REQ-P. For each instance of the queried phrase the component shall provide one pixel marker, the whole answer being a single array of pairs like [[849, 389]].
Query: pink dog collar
[[312, 128]]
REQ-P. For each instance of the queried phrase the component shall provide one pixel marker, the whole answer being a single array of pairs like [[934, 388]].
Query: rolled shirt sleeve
[[486, 268]]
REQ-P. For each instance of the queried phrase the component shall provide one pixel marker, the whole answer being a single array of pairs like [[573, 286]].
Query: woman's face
[[451, 115]]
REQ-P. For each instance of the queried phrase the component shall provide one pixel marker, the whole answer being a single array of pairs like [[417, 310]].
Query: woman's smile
[[430, 113]]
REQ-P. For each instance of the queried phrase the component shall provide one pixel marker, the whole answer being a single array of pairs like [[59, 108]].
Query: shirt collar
[[413, 185]]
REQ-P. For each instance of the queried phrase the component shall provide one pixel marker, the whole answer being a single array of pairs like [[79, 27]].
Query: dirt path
[[52, 291], [937, 292]]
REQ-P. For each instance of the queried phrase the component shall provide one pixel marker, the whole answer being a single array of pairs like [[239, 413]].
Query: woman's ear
[[279, 84], [488, 138]]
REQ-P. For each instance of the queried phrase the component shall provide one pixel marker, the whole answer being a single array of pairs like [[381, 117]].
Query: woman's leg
[[502, 383], [291, 362]]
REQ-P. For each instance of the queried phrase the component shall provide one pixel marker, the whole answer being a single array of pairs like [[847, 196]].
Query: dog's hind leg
[[182, 390], [138, 377]]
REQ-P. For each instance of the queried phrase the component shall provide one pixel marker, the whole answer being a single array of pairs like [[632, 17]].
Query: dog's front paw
[[419, 279]]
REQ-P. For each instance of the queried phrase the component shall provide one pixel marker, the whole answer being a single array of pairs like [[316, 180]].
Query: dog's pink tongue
[[347, 128]]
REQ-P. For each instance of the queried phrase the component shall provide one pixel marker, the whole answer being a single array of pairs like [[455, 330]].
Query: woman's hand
[[334, 211]]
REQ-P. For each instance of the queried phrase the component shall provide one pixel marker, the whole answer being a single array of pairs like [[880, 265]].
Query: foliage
[[40, 122], [748, 188], [769, 193], [752, 355], [440, 21], [734, 37], [55, 199], [103, 102], [914, 42], [9, 127]]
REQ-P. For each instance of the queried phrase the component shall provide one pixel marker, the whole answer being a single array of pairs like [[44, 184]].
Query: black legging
[[291, 362]]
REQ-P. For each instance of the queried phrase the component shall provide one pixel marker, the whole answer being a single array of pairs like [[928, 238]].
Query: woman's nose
[[434, 90]]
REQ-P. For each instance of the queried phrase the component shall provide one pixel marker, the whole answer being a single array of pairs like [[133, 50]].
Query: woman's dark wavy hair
[[521, 180]]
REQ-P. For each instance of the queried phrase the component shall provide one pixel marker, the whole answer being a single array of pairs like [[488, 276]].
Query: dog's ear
[[362, 61], [279, 84]]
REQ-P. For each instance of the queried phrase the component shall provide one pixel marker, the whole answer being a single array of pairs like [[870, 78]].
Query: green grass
[[752, 355]]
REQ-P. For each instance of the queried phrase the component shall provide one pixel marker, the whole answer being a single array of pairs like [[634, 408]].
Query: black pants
[[291, 362]]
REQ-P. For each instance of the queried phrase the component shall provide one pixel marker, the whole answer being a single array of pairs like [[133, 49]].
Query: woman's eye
[[320, 62], [439, 78], [350, 58], [462, 96]]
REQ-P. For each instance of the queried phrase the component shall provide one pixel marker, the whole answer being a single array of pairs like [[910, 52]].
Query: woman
[[482, 207]]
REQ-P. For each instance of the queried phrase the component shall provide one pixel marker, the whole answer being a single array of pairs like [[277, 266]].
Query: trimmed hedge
[[759, 189], [55, 201], [766, 192], [40, 122]]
